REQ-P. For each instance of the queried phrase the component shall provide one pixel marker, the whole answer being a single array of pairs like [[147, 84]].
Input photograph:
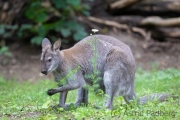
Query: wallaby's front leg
[[71, 85], [76, 81], [51, 92]]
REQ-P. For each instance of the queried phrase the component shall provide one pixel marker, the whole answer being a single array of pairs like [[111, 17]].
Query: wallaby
[[114, 61]]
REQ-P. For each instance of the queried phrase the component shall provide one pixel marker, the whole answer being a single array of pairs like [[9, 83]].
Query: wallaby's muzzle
[[44, 72], [43, 68]]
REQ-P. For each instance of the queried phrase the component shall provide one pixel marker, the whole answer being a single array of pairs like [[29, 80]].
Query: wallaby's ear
[[57, 44], [45, 42]]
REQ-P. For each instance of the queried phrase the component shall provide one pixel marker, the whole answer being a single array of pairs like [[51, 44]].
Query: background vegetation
[[39, 19], [32, 20]]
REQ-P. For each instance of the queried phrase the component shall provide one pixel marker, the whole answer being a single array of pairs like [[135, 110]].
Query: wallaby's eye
[[49, 60]]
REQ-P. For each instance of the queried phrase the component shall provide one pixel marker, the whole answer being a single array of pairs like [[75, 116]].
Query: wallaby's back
[[104, 45], [83, 52]]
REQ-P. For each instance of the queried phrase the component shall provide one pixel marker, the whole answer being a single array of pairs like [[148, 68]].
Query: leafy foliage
[[5, 51], [49, 18]]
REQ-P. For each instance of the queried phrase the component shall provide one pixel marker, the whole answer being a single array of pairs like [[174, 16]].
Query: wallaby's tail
[[157, 96]]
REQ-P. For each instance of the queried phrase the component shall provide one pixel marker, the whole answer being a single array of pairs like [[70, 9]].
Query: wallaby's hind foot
[[130, 96], [65, 106]]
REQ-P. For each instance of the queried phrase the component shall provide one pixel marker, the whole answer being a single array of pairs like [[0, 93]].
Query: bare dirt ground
[[25, 63]]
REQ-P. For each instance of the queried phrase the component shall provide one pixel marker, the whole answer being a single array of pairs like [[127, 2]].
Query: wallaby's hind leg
[[82, 97], [118, 76], [110, 89], [128, 97]]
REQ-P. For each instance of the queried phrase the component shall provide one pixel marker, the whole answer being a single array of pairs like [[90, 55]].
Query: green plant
[[53, 19], [63, 80], [95, 76], [7, 30], [65, 12], [5, 51]]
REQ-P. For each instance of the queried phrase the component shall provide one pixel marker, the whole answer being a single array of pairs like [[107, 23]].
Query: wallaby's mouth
[[44, 72]]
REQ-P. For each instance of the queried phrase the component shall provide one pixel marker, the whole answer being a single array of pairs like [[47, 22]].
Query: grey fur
[[45, 42], [114, 61]]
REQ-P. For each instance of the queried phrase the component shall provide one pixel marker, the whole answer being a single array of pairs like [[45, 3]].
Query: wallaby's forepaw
[[51, 92]]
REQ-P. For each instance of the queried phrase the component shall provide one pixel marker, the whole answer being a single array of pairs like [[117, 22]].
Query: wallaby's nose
[[44, 72]]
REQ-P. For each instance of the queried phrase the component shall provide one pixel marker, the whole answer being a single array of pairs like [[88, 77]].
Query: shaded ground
[[25, 62]]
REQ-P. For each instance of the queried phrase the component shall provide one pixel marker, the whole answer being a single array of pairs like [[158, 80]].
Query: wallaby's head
[[50, 57]]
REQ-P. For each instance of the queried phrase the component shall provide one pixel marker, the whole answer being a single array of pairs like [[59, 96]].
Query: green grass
[[27, 100]]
